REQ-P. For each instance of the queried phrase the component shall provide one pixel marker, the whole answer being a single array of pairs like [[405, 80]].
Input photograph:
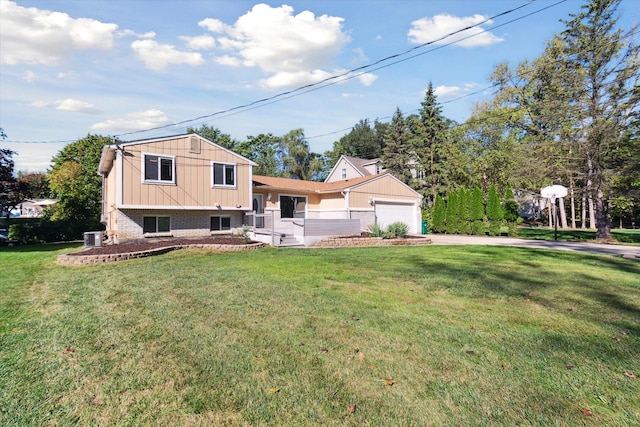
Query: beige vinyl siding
[[332, 201], [384, 188], [193, 171]]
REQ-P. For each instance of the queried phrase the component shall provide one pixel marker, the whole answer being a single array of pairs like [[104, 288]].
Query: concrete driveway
[[627, 251]]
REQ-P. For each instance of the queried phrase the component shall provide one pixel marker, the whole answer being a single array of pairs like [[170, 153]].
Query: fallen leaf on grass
[[273, 390], [586, 412], [352, 408], [624, 332], [69, 350], [354, 318], [361, 355], [630, 375], [324, 351], [569, 367], [471, 352], [389, 382], [570, 309], [505, 367], [616, 338]]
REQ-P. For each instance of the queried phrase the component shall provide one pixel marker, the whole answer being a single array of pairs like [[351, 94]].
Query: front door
[[258, 208]]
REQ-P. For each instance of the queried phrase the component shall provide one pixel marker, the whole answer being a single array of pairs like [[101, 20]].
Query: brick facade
[[183, 223]]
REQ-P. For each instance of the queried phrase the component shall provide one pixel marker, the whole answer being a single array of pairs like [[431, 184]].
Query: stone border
[[337, 241], [70, 259]]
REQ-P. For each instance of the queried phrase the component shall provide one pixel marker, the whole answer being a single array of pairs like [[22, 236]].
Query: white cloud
[[231, 61], [293, 48], [69, 104], [444, 91], [158, 56], [29, 76], [134, 121], [299, 78], [213, 25], [38, 104], [77, 106], [367, 79], [39, 36], [202, 42], [129, 33], [427, 30]]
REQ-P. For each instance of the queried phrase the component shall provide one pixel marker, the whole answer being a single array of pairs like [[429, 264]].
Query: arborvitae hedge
[[439, 215], [452, 218], [477, 212], [495, 214]]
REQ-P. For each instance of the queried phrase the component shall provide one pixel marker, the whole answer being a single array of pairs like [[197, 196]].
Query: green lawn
[[468, 336], [545, 233]]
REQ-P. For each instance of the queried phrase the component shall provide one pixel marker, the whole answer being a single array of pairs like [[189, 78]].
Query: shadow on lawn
[[478, 279], [42, 247]]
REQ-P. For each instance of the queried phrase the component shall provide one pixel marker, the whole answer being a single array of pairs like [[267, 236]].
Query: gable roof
[[109, 151], [357, 163], [288, 184]]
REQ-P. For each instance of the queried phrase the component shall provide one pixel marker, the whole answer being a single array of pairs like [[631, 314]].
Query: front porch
[[267, 228]]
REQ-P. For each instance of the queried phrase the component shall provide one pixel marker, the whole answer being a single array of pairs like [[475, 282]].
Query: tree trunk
[[603, 223], [573, 205], [551, 218], [563, 213], [583, 208]]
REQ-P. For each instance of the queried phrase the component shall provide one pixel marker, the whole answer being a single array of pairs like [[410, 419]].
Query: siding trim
[[186, 208]]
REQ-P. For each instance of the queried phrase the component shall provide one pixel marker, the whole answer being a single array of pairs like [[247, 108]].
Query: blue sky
[[69, 68]]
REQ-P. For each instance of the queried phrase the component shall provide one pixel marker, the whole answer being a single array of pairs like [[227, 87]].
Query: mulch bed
[[144, 245]]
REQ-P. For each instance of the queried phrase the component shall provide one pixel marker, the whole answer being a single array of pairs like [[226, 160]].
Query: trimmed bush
[[477, 212], [495, 213], [439, 215]]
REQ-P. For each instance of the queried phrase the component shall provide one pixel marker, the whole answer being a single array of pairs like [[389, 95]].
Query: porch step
[[289, 241]]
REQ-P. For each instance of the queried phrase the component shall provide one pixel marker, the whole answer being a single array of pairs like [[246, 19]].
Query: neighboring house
[[348, 167], [34, 207], [177, 186], [371, 199]]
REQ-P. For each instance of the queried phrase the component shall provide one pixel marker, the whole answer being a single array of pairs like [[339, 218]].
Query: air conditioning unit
[[93, 239]]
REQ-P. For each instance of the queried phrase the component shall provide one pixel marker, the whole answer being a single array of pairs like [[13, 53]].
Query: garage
[[390, 212]]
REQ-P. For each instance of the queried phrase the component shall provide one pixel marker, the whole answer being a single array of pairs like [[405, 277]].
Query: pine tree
[[439, 215], [397, 150], [495, 213]]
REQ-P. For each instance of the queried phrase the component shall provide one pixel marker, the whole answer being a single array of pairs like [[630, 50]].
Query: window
[[220, 223], [292, 207], [344, 173], [224, 174], [158, 168], [156, 224]]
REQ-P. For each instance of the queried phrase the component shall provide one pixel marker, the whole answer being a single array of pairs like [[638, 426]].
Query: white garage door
[[388, 213]]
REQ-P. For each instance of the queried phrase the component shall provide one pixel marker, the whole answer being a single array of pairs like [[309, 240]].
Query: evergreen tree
[[466, 211], [439, 215], [477, 212], [398, 151], [511, 215], [495, 213], [429, 132], [453, 210]]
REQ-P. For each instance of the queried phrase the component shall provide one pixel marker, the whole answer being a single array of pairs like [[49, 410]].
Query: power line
[[355, 72]]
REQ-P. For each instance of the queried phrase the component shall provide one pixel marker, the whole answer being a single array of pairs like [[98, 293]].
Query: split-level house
[[188, 186]]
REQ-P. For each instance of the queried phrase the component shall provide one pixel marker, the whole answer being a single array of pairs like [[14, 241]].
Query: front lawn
[[359, 336]]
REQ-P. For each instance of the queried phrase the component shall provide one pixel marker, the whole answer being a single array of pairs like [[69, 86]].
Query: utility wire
[[322, 83]]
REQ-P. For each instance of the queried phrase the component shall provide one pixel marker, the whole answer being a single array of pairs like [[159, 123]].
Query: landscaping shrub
[[397, 230], [477, 212], [45, 231], [376, 230]]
